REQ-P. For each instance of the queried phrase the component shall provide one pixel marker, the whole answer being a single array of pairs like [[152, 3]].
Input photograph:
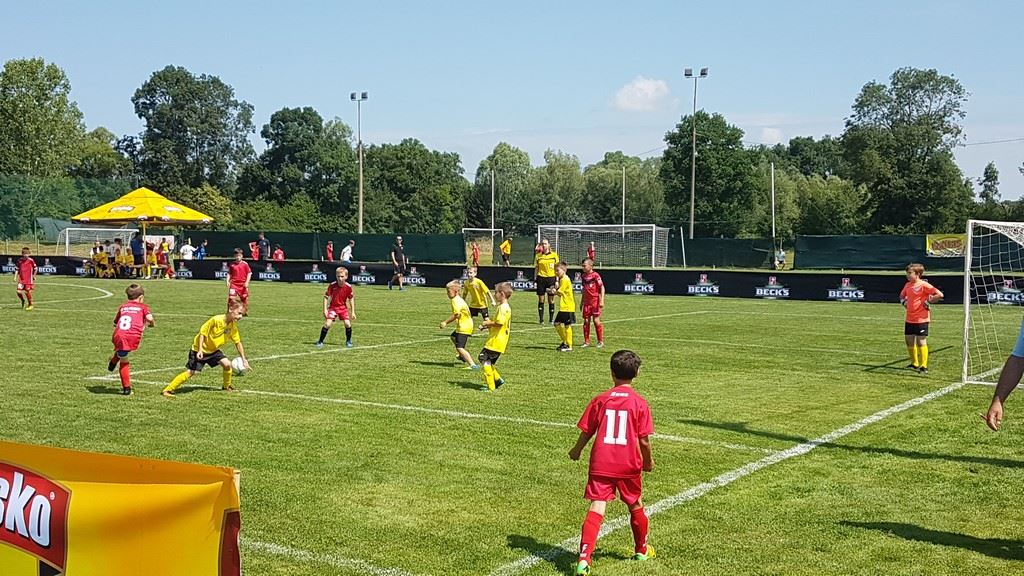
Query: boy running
[[593, 302], [497, 339], [464, 324], [239, 275], [477, 294], [205, 351], [339, 302], [131, 320], [917, 297], [566, 307], [621, 419], [25, 278]]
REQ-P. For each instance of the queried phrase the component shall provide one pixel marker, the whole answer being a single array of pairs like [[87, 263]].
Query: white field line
[[328, 559], [454, 414], [103, 294], [750, 345], [247, 319], [571, 545]]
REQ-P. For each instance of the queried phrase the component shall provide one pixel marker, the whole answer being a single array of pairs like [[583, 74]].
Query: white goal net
[[488, 240], [993, 295], [614, 244], [80, 241]]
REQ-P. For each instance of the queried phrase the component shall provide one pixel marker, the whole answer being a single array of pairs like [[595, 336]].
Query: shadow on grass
[[899, 365], [994, 547], [435, 363], [115, 389], [742, 428], [562, 560], [467, 384]]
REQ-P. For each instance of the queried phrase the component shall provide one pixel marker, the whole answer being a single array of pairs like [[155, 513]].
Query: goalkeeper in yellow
[[566, 316], [497, 339], [206, 347]]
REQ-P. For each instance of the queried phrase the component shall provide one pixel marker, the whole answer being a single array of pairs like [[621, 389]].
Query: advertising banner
[[946, 245], [89, 514]]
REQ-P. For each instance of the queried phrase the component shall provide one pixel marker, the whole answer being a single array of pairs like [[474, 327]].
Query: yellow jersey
[[475, 291], [461, 310], [506, 247], [545, 264], [566, 299], [497, 339], [216, 332]]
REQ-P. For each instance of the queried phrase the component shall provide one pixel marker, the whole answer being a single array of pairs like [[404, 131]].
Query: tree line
[[890, 171]]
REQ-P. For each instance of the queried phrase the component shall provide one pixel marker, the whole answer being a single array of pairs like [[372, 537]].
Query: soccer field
[[789, 438]]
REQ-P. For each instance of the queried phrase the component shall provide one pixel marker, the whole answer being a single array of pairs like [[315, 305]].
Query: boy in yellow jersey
[[463, 324], [566, 307], [497, 339], [206, 347], [477, 294], [544, 264], [506, 251]]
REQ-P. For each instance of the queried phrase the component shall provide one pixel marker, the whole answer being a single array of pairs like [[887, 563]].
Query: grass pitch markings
[[322, 559], [752, 345], [103, 294], [571, 545]]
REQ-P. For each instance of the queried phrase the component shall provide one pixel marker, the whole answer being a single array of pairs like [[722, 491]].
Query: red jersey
[[129, 324], [591, 252], [254, 250], [330, 252], [617, 419], [278, 254], [26, 270], [339, 295], [592, 285], [238, 272], [916, 294]]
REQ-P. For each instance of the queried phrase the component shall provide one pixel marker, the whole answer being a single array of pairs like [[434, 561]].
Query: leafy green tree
[[645, 195], [787, 209], [811, 157], [830, 205], [556, 190], [97, 158], [512, 169], [40, 126], [724, 191], [989, 183], [898, 143], [196, 132]]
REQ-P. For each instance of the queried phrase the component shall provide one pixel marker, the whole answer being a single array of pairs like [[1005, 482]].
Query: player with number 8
[[131, 320]]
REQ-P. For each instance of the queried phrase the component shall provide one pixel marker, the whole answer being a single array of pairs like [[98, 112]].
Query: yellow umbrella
[[146, 207]]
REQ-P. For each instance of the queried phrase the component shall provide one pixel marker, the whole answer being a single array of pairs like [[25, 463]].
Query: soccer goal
[[614, 244], [993, 294], [488, 239], [79, 241]]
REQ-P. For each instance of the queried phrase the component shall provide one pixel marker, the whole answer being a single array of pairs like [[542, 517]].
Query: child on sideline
[[239, 276], [131, 320], [497, 339], [206, 346], [464, 324], [917, 297], [339, 302], [621, 419], [25, 278]]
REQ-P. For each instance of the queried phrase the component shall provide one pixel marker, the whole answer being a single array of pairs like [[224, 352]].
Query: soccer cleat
[[319, 344], [167, 394], [565, 349], [600, 344], [472, 367], [585, 345], [499, 383], [229, 389], [922, 370], [646, 555], [389, 285], [126, 391], [401, 288], [30, 307], [348, 344], [112, 364], [913, 367], [582, 568]]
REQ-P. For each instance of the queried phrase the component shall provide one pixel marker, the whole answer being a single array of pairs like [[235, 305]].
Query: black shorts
[[488, 357], [567, 318], [482, 312], [459, 339], [399, 270], [543, 283], [915, 329], [196, 365]]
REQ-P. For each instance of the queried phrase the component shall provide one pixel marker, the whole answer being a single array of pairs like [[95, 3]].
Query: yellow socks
[[561, 332], [489, 376], [912, 351], [567, 336], [227, 379], [178, 381], [922, 353]]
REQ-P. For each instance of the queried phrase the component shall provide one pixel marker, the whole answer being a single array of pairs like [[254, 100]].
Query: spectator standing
[[399, 260], [264, 246], [138, 249], [201, 251], [278, 253], [506, 251], [346, 252], [187, 250], [329, 251]]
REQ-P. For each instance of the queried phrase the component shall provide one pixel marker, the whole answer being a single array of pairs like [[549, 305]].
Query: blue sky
[[582, 77]]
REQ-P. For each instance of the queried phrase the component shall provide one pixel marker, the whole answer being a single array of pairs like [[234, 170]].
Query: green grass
[[349, 487]]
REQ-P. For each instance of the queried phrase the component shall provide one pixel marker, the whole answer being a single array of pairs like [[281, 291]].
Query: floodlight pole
[[492, 202], [688, 72], [358, 98]]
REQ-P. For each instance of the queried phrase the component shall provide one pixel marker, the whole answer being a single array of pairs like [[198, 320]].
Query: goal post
[[614, 244], [993, 295], [488, 239], [79, 241]]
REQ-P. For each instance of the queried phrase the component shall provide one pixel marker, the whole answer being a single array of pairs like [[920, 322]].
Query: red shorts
[[337, 313], [241, 291], [591, 310], [23, 286], [603, 489], [125, 342]]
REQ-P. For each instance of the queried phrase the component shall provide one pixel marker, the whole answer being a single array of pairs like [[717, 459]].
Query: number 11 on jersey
[[615, 429]]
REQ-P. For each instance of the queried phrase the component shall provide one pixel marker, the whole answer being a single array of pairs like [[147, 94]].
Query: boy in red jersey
[[131, 320], [239, 275], [476, 255], [622, 422], [917, 297], [339, 302], [592, 251], [593, 302], [25, 278]]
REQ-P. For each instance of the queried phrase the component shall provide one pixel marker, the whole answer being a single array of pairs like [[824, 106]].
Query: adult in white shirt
[[346, 252], [187, 250]]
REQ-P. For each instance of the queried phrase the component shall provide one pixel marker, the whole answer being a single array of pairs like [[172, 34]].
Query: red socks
[[29, 296], [591, 528], [638, 522], [600, 332], [586, 332], [126, 375]]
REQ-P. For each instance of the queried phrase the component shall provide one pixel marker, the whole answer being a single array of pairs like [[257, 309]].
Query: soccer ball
[[238, 367]]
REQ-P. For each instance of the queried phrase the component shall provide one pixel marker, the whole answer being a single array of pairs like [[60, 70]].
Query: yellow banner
[[946, 245], [88, 514]]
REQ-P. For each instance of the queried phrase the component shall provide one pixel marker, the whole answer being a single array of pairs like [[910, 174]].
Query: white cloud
[[771, 136], [641, 95]]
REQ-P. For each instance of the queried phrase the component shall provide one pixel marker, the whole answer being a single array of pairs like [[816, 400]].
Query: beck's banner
[[946, 245], [64, 512]]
